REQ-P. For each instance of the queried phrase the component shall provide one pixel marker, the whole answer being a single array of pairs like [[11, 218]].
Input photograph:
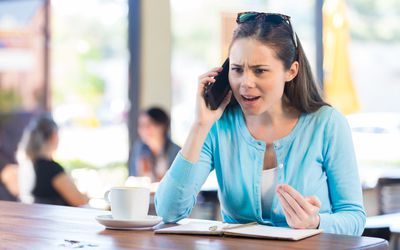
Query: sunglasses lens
[[274, 19], [270, 18], [247, 17]]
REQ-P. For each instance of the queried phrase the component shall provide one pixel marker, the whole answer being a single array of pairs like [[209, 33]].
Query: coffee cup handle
[[106, 196]]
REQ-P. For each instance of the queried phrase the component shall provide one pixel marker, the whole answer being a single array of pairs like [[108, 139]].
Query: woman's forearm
[[194, 142]]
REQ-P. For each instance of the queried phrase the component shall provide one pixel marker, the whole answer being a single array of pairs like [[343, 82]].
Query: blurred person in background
[[9, 189], [12, 125], [154, 151], [52, 185]]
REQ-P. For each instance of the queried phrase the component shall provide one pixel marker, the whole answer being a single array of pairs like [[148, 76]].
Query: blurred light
[[82, 47]]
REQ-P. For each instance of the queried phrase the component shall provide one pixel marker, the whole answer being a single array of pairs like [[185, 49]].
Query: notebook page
[[261, 231], [202, 228]]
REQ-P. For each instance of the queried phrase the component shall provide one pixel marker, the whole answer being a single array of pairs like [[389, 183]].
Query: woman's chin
[[250, 110]]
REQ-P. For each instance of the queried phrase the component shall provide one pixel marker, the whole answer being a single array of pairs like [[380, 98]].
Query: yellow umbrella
[[338, 84]]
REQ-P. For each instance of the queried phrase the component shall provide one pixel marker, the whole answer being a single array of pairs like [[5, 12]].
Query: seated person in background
[[9, 189], [12, 125], [154, 152], [52, 184]]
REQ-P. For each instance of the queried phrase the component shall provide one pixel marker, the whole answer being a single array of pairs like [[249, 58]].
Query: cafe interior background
[[95, 64]]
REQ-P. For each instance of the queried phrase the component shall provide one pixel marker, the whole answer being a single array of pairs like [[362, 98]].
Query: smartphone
[[214, 93]]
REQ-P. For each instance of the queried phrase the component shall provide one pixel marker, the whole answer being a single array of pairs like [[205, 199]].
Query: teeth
[[250, 97]]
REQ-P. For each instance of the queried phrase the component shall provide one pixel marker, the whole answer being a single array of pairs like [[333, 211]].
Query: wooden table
[[25, 226]]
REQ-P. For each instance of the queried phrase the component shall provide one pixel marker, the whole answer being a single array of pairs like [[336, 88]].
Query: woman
[[282, 156], [154, 152], [52, 184]]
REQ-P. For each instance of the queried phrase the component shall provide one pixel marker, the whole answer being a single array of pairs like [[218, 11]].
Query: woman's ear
[[292, 72]]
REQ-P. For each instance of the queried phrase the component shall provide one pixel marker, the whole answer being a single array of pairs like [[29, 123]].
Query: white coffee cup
[[128, 203]]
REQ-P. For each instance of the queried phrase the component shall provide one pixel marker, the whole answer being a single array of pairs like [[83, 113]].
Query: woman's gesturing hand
[[205, 116], [300, 212]]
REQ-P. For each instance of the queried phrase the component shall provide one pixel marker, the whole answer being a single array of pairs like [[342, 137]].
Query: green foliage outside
[[374, 20], [80, 46], [70, 165], [9, 100], [74, 50]]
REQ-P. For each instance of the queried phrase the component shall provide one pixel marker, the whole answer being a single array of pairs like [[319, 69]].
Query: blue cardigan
[[316, 158]]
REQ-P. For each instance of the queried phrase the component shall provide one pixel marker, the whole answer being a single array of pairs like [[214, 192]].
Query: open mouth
[[250, 98]]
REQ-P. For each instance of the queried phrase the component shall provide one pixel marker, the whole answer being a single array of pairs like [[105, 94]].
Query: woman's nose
[[247, 81]]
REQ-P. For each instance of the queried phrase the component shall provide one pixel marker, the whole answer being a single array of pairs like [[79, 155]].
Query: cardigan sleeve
[[178, 190], [348, 215]]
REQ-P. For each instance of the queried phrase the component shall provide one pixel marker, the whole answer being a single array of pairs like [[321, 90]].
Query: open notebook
[[245, 230]]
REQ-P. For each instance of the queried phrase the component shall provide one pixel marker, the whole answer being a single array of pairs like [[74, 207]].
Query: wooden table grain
[[34, 226]]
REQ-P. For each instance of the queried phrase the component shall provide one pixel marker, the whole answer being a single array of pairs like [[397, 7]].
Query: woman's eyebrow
[[251, 66], [259, 65]]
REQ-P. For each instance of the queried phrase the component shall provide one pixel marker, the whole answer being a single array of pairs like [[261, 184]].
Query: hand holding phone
[[214, 93]]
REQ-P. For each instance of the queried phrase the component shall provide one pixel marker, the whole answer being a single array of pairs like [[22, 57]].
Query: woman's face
[[54, 140], [148, 130], [257, 77]]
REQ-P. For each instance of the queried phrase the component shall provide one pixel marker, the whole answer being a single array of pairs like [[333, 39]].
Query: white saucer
[[145, 223]]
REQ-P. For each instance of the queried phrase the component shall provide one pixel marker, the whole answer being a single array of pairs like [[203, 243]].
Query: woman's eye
[[238, 70], [259, 71]]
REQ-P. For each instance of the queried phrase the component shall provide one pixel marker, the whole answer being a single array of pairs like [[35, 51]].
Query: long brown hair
[[302, 92]]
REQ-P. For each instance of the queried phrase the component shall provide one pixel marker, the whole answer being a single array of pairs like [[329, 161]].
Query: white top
[[269, 181]]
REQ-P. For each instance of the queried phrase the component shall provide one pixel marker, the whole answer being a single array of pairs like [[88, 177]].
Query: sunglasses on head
[[273, 18]]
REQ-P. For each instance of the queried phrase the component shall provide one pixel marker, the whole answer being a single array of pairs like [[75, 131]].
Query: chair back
[[379, 232], [388, 195]]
